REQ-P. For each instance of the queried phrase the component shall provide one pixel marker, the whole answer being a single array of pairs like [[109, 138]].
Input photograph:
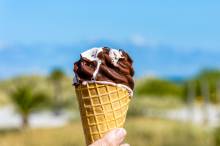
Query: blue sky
[[188, 25]]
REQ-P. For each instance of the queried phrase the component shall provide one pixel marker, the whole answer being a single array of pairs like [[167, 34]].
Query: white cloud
[[138, 40], [142, 41]]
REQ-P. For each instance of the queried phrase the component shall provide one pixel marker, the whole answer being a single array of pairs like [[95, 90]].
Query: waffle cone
[[102, 108]]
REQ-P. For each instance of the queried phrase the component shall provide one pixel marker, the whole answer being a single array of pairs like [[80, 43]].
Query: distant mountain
[[159, 60]]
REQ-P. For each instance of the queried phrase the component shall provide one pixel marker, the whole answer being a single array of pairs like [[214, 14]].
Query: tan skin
[[113, 138]]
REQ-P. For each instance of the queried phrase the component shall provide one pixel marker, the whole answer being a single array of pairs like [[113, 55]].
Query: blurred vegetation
[[141, 132], [161, 88], [151, 106], [3, 98], [208, 77], [56, 77], [157, 132], [212, 79], [42, 83], [26, 99], [217, 136], [158, 88]]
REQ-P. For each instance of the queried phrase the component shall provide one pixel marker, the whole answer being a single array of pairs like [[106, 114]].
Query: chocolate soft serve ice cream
[[104, 64], [104, 87]]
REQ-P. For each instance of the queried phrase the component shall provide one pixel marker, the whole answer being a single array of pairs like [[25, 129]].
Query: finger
[[126, 144], [115, 137]]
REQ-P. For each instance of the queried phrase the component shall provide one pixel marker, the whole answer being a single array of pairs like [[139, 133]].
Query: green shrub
[[211, 78], [152, 106], [217, 136], [158, 87]]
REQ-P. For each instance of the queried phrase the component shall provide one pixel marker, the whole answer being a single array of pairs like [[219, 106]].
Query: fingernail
[[120, 132]]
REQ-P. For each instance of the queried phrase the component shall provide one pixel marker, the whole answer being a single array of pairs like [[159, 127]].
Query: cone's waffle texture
[[102, 108]]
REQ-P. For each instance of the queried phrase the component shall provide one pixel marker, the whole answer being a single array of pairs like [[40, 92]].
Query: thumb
[[113, 138]]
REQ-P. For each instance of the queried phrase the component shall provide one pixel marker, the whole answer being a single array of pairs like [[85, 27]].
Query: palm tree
[[56, 77], [26, 100]]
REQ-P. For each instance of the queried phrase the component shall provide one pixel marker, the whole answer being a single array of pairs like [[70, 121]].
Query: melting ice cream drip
[[92, 55], [99, 62]]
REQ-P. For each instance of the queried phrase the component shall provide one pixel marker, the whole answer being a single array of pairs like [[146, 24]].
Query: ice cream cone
[[102, 108]]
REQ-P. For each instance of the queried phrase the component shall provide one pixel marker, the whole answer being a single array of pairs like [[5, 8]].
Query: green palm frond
[[26, 99]]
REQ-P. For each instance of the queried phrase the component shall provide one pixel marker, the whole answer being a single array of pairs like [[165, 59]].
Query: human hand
[[112, 138]]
